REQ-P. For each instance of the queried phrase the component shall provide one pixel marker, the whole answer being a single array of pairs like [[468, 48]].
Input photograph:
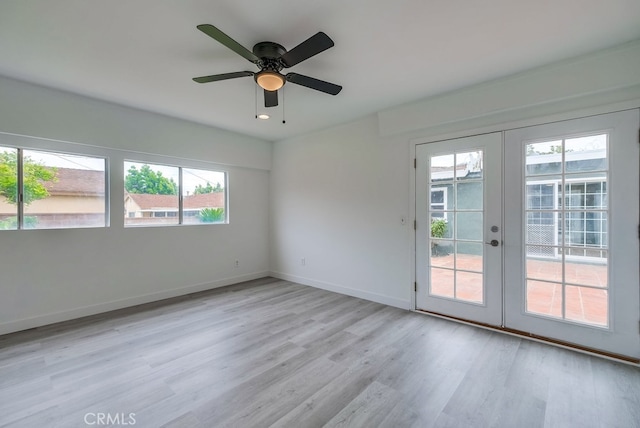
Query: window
[[169, 195], [203, 196], [438, 201], [50, 190], [150, 192]]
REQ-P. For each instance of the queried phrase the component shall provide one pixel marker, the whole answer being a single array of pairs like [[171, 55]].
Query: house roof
[[76, 182], [154, 202]]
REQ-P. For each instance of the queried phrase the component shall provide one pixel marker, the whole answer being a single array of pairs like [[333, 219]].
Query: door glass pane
[[544, 158], [566, 229], [587, 305], [544, 264], [442, 283], [469, 165], [469, 286], [469, 225], [8, 188], [586, 153], [544, 298], [469, 195], [442, 225], [456, 238], [469, 256], [442, 254], [441, 168]]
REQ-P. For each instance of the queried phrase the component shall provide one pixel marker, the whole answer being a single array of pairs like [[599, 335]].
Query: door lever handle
[[493, 243]]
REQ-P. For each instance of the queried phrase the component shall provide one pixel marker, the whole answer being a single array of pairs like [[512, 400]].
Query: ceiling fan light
[[270, 80]]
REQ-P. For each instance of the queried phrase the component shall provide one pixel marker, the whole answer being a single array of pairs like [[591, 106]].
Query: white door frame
[[622, 336], [504, 127], [490, 310]]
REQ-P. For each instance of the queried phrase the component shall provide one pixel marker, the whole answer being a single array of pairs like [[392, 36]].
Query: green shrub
[[211, 215], [438, 227], [10, 223]]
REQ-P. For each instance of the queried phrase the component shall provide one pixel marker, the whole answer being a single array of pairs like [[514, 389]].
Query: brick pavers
[[584, 294]]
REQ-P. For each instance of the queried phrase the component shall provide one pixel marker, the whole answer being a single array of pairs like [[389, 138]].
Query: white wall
[[53, 275], [338, 196], [337, 200]]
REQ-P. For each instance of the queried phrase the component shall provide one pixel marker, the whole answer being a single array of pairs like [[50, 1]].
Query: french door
[[459, 228], [567, 238]]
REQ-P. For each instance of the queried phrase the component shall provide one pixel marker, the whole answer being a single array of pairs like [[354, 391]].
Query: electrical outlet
[[237, 263], [303, 261]]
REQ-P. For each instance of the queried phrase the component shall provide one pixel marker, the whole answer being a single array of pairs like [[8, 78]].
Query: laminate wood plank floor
[[273, 353]]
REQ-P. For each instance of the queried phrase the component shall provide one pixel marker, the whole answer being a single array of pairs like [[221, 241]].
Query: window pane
[[469, 256], [469, 165], [203, 196], [151, 194], [441, 168], [469, 226], [544, 298], [442, 282], [469, 286], [542, 195], [469, 195], [441, 225], [587, 305], [586, 153], [541, 267], [63, 190], [544, 158], [8, 188]]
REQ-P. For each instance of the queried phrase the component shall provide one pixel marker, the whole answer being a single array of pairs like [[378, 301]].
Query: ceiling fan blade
[[312, 46], [224, 76], [270, 98], [221, 37], [310, 82]]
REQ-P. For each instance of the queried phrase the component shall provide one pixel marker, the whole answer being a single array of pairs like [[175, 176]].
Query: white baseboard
[[367, 295], [27, 323]]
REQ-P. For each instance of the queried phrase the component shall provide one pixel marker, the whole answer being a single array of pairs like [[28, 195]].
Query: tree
[[34, 175], [149, 182], [552, 149], [201, 190]]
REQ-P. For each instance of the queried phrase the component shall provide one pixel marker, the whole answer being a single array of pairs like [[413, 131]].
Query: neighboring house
[[76, 196], [141, 207], [585, 199]]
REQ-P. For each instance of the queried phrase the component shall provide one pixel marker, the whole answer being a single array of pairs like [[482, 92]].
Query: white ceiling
[[143, 53]]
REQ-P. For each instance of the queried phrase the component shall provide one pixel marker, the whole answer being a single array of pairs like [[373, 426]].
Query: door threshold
[[541, 339]]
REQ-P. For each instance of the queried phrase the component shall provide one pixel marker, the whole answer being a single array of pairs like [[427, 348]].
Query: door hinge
[[415, 225], [415, 163], [415, 287]]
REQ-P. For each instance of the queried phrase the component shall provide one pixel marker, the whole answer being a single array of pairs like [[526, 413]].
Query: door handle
[[493, 243]]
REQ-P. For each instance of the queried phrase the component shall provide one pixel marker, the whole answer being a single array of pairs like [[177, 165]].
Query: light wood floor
[[273, 353]]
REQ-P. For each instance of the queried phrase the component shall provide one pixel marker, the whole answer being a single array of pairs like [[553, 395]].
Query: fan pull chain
[[283, 121], [256, 103]]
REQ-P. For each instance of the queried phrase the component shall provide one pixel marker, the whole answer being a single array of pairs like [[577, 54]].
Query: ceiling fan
[[271, 58]]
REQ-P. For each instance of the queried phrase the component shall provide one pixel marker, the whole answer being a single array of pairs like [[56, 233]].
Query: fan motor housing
[[268, 50]]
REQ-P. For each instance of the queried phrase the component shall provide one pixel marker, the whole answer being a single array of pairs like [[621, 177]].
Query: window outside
[[59, 190]]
